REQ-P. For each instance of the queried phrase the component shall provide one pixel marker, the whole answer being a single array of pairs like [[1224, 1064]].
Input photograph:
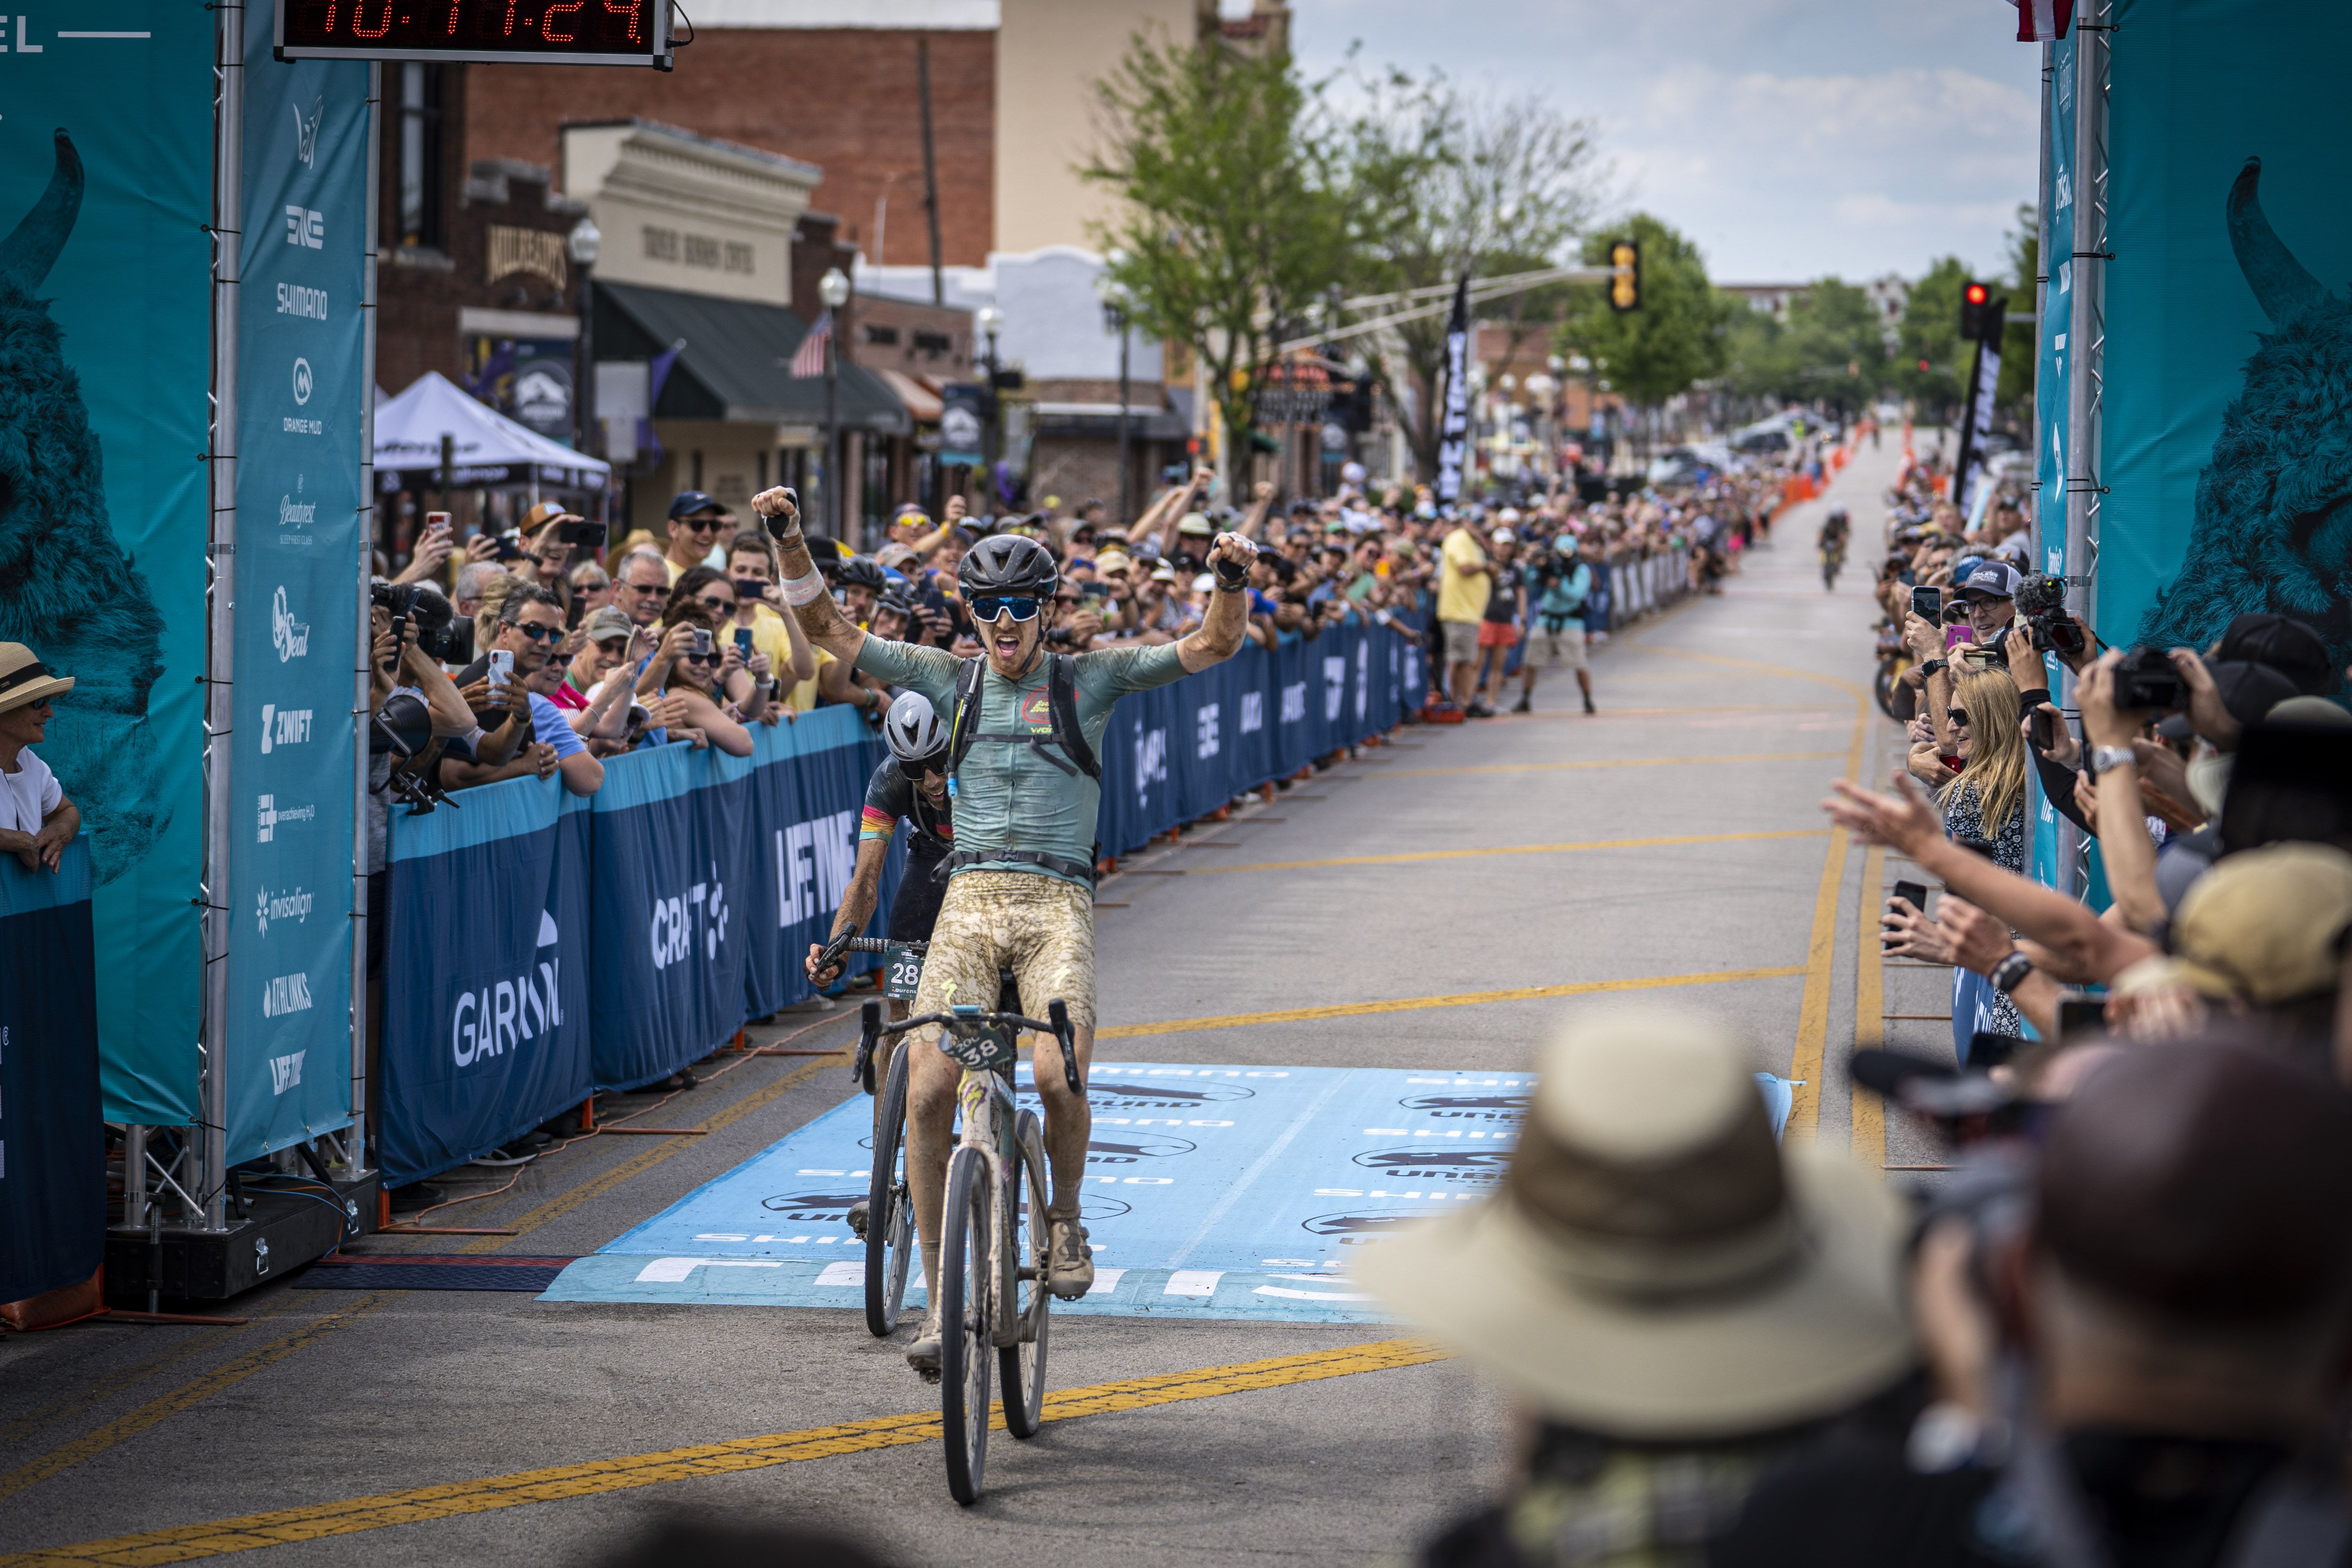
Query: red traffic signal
[[1980, 313], [1923, 367], [1976, 294]]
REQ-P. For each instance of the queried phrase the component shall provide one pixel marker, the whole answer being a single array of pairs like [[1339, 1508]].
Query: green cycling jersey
[[1010, 797]]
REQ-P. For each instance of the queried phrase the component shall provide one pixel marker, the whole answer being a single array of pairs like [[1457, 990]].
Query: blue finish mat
[[1210, 1192]]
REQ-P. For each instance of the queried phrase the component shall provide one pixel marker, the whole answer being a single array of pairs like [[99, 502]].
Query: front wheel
[[890, 1216], [1020, 1366], [963, 1299]]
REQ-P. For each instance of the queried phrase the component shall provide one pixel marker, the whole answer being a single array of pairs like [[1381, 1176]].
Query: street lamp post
[[990, 321], [582, 245], [834, 289], [1114, 317]]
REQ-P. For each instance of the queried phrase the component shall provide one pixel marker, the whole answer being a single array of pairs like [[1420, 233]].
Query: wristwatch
[[2105, 757], [1936, 667], [2011, 973]]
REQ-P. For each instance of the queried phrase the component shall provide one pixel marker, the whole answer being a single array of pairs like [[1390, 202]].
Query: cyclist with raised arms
[[1023, 728], [912, 784]]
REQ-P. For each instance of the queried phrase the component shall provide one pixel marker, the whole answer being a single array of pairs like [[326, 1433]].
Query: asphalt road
[[1669, 850]]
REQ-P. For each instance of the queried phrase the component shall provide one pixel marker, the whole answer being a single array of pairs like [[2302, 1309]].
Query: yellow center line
[[1615, 762], [350, 1516], [1464, 999], [1869, 1110], [1510, 850]]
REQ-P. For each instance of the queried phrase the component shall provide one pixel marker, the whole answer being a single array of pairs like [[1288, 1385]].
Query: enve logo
[[306, 227]]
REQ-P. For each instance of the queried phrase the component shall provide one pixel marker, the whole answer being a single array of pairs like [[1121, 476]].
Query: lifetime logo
[[1150, 762], [1207, 743], [286, 994], [286, 1073], [283, 727], [814, 863]]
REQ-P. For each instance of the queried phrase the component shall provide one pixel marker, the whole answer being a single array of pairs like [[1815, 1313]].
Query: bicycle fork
[[989, 1114]]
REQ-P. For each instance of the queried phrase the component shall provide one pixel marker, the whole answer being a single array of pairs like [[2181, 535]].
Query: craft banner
[[302, 397], [2226, 428], [52, 1138], [105, 346], [485, 1007]]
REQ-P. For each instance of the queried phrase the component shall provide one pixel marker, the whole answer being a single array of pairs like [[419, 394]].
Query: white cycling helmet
[[913, 732]]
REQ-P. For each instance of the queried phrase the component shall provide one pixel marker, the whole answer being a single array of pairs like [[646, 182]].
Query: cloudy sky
[[1791, 138]]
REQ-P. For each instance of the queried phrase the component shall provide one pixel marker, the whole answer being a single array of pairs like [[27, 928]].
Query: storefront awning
[[734, 361], [922, 402]]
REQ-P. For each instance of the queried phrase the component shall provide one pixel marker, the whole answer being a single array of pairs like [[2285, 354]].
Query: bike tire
[[889, 1213], [965, 1353], [1882, 688], [1021, 1367]]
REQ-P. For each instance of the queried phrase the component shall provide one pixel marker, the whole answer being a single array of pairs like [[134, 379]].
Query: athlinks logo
[[697, 918], [286, 1073], [285, 906], [813, 862], [286, 994], [283, 727], [500, 1015], [290, 637], [271, 814], [1206, 738]]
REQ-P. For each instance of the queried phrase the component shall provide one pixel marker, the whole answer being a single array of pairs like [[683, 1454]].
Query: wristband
[[808, 590], [2011, 973], [2105, 757], [1232, 578]]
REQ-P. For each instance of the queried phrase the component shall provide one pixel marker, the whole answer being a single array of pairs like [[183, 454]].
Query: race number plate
[[902, 971], [986, 1051]]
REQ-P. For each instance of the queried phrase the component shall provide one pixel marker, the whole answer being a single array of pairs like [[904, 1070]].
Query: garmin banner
[[485, 1003], [52, 1139], [302, 391], [106, 182], [2226, 428]]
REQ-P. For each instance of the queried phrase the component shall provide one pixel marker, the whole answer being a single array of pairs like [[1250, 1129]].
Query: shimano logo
[[1294, 702], [491, 1021], [1335, 685], [1252, 712], [286, 994], [289, 906], [295, 299], [813, 862], [283, 727], [1206, 742], [270, 815], [286, 1073], [700, 912], [290, 637]]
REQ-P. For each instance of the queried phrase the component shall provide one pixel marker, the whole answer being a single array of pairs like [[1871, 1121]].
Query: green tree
[[1673, 339], [1437, 187], [1758, 360], [1930, 333], [1229, 228], [1834, 341]]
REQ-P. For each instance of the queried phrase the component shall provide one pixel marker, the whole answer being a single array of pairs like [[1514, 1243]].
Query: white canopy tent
[[487, 449]]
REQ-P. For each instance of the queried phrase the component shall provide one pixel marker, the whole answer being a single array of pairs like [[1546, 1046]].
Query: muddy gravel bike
[[889, 1216]]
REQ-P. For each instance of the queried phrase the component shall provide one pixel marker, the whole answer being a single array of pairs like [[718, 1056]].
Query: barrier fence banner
[[486, 1010], [105, 288], [2226, 415], [52, 1142], [302, 400]]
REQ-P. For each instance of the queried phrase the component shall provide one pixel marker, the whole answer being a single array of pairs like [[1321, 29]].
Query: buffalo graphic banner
[[302, 393], [2226, 439], [52, 1142], [105, 346]]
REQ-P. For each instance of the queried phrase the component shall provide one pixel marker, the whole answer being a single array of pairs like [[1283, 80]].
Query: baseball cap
[[2249, 690], [2285, 644], [687, 503], [1113, 560], [1163, 572], [608, 621], [1991, 579], [1503, 535], [2267, 924], [543, 514], [1508, 515], [1204, 584]]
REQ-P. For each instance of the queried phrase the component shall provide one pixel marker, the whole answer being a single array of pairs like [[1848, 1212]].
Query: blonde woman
[[1984, 809]]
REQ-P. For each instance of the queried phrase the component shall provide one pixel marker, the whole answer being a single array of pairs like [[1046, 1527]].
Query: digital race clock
[[542, 32]]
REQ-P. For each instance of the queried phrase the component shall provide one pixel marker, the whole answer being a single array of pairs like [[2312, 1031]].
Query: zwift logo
[[283, 727], [290, 637], [501, 1014], [700, 911]]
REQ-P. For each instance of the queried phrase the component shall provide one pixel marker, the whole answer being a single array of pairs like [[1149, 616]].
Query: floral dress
[[1976, 1006]]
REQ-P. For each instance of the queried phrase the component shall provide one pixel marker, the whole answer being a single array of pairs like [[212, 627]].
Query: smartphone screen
[[2079, 1015], [743, 640], [2045, 730], [501, 670], [439, 520], [1927, 604], [1913, 893]]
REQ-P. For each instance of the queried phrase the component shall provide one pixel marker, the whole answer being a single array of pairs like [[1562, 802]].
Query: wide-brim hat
[[25, 679], [1656, 1268]]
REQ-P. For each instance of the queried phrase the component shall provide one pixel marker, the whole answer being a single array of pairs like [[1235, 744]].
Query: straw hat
[[1655, 1267], [2268, 925], [25, 679]]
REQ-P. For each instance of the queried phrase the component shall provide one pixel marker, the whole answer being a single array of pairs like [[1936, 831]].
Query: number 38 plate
[[902, 971]]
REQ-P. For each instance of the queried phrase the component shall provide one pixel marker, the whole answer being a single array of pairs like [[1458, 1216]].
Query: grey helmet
[[913, 732], [1008, 563]]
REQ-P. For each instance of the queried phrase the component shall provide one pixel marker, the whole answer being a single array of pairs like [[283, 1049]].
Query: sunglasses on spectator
[[537, 633], [647, 587], [699, 524], [1958, 716], [717, 606], [994, 605], [701, 658]]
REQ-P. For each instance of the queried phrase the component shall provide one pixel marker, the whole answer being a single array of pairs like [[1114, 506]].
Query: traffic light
[[1626, 275], [1980, 313]]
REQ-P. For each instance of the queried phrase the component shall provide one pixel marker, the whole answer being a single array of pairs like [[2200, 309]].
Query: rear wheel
[[889, 1216], [1020, 1366], [963, 1293]]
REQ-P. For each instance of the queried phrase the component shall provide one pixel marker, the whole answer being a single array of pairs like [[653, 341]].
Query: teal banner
[[2051, 403], [2227, 420], [302, 395], [106, 144]]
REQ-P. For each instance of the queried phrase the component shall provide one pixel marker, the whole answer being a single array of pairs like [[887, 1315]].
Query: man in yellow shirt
[[695, 524], [752, 564], [1463, 584]]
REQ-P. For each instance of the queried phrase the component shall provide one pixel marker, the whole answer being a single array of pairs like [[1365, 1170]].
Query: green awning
[[736, 362]]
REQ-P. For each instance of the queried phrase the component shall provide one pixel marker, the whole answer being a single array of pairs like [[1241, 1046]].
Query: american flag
[[2042, 21], [808, 360]]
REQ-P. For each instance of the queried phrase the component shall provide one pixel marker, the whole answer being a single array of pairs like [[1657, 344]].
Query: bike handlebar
[[1056, 1023]]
